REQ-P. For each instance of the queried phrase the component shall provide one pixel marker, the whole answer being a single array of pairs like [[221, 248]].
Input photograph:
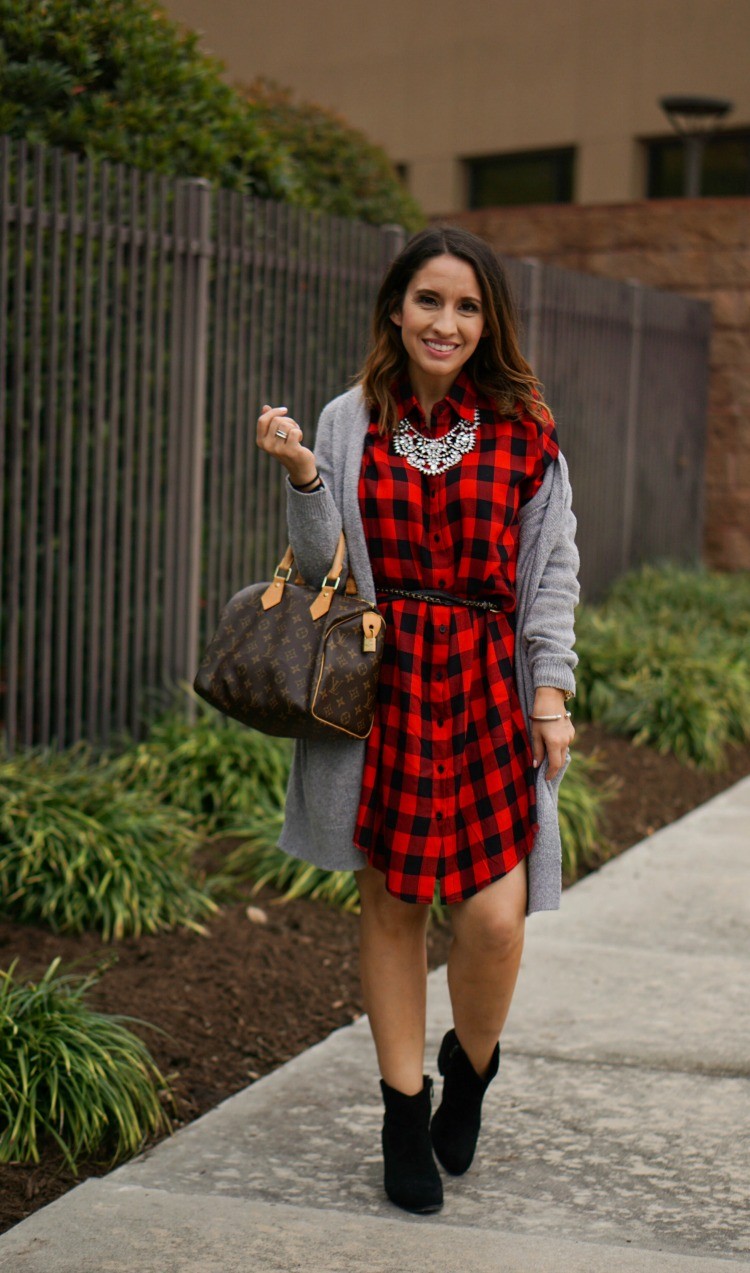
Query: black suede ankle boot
[[455, 1126], [411, 1178]]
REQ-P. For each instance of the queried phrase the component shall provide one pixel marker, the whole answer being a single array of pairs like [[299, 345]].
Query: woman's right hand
[[297, 459]]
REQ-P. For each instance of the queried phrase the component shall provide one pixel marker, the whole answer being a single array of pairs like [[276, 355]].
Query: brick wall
[[700, 247]]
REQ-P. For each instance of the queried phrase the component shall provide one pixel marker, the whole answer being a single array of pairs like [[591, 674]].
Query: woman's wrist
[[301, 476], [552, 694], [313, 484], [549, 694]]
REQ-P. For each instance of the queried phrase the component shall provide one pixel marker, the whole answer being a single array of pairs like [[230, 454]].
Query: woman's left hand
[[553, 736]]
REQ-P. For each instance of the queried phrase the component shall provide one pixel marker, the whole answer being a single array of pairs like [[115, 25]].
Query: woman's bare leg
[[393, 971], [488, 936]]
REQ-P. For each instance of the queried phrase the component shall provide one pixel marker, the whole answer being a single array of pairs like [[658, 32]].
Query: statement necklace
[[435, 455]]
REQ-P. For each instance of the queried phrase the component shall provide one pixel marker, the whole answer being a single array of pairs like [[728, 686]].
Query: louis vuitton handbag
[[296, 661]]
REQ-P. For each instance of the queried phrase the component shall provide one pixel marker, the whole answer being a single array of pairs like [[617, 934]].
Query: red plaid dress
[[448, 788]]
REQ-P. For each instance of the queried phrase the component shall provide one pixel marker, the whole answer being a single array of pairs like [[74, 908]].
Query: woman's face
[[441, 318]]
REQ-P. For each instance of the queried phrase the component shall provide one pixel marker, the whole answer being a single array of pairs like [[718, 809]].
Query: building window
[[726, 166], [402, 172], [534, 176]]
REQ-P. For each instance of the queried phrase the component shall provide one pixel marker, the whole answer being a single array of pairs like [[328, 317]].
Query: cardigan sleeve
[[313, 520], [550, 631]]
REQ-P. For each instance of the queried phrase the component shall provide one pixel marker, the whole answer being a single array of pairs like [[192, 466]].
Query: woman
[[444, 470]]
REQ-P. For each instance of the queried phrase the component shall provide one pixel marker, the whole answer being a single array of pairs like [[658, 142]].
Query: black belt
[[441, 598]]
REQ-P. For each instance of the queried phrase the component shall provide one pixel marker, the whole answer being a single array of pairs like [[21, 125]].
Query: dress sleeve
[[542, 449]]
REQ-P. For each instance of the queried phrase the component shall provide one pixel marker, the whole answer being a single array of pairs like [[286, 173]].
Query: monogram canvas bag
[[296, 661]]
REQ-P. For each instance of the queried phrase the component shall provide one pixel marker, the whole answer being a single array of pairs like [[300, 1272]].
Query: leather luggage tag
[[371, 625]]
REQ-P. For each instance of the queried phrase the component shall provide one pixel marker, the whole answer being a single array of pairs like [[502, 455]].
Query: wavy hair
[[497, 366]]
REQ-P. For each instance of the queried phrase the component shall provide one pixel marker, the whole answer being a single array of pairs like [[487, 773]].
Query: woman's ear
[[396, 317]]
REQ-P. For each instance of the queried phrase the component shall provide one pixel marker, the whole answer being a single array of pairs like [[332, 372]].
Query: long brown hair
[[497, 365]]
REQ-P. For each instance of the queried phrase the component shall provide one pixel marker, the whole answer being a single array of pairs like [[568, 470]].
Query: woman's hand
[[552, 736], [297, 459]]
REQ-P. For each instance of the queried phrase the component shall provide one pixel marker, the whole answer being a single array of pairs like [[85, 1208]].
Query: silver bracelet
[[559, 716]]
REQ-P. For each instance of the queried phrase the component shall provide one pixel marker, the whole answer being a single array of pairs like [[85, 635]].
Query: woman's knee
[[501, 934], [493, 921]]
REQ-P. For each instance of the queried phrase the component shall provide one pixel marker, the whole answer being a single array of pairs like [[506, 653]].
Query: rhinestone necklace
[[435, 455]]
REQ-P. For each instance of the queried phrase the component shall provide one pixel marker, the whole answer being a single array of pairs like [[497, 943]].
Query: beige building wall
[[438, 81]]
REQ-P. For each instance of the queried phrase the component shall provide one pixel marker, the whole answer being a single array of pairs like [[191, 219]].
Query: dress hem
[[470, 890]]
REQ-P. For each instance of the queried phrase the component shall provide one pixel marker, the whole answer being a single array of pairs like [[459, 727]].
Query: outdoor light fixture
[[695, 119]]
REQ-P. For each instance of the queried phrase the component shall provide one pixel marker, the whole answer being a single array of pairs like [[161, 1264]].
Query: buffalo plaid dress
[[448, 787]]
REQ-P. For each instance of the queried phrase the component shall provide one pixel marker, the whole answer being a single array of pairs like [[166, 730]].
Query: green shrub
[[215, 768], [672, 595], [665, 659], [79, 1077], [120, 81], [80, 853], [117, 79], [323, 148]]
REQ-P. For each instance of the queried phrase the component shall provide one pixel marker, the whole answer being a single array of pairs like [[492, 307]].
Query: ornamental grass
[[79, 852], [665, 660], [215, 768], [73, 1076], [258, 860]]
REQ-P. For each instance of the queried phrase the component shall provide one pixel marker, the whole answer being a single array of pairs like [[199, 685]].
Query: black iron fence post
[[185, 469]]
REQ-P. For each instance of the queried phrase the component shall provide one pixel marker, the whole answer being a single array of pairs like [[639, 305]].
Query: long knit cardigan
[[326, 775]]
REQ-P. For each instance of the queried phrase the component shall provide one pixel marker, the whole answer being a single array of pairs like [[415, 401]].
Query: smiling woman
[[448, 288], [442, 321], [443, 467]]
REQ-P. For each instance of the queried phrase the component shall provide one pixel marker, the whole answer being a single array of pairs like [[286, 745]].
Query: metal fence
[[143, 321], [626, 373]]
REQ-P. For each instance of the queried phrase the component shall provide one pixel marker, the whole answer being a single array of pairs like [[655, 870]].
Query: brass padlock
[[369, 644]]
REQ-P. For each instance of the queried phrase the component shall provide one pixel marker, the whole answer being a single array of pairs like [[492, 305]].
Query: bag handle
[[322, 603]]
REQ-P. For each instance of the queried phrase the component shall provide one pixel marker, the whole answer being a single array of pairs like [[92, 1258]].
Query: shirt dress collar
[[461, 398]]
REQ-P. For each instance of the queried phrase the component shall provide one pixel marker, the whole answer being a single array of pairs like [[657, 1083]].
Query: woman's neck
[[429, 390]]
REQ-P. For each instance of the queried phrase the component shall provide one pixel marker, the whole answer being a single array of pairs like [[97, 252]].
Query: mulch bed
[[241, 1001]]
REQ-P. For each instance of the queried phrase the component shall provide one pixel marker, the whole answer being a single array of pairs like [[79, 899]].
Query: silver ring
[[280, 433]]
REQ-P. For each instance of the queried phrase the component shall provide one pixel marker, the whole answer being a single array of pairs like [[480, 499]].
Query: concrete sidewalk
[[616, 1137]]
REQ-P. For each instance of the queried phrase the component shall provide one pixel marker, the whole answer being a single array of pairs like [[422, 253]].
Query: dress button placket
[[440, 557], [440, 744]]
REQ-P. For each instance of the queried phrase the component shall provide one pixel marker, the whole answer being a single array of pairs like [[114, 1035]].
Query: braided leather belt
[[440, 598]]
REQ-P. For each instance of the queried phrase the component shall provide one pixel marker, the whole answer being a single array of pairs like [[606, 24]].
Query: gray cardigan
[[326, 775]]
